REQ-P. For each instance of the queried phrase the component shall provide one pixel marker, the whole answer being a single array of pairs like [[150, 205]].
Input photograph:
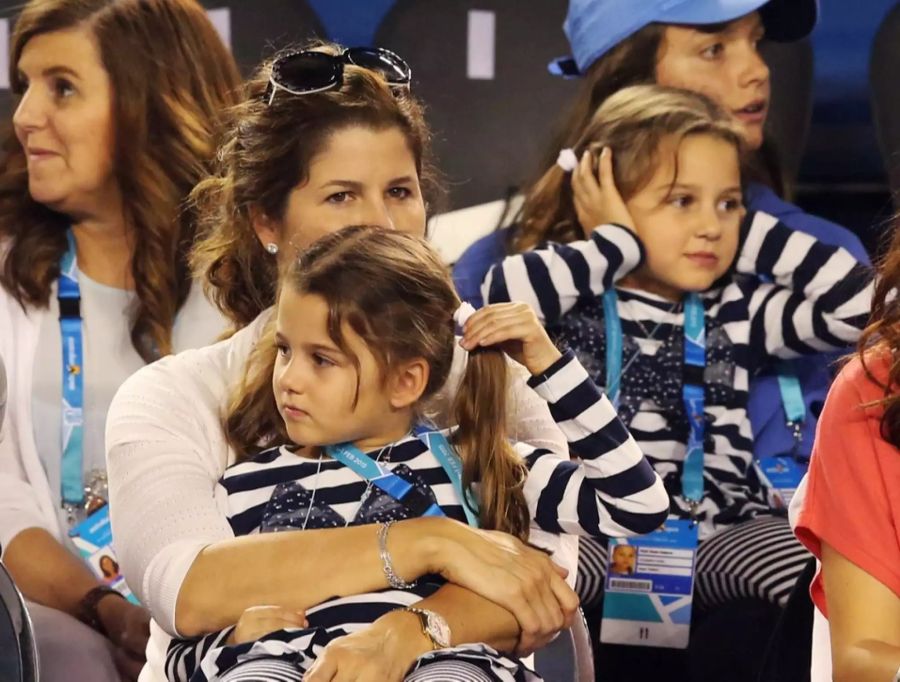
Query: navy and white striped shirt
[[612, 491], [787, 295]]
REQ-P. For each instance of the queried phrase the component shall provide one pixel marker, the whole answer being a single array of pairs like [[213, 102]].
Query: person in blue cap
[[709, 46]]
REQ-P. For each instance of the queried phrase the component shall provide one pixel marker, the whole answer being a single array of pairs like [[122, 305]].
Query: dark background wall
[[491, 129]]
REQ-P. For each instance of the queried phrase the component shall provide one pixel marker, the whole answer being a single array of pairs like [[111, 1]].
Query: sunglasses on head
[[309, 71]]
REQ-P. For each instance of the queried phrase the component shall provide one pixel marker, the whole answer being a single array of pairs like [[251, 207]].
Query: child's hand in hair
[[597, 200], [516, 330], [261, 620]]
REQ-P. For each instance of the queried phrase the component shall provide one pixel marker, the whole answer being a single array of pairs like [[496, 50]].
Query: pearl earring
[[272, 248]]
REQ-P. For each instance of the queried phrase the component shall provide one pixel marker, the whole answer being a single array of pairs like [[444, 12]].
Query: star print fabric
[[289, 506]]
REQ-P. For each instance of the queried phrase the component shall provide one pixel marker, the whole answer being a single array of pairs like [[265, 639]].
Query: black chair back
[[883, 67], [489, 133], [18, 652], [791, 65]]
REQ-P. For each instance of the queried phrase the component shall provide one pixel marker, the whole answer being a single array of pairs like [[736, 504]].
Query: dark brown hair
[[171, 79], [394, 291], [634, 123], [631, 62], [882, 337], [266, 153]]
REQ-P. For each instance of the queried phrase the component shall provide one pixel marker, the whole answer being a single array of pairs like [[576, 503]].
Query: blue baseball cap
[[594, 27]]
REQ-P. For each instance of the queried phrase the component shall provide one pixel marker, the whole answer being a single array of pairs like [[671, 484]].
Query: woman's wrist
[[404, 635], [416, 546], [98, 607]]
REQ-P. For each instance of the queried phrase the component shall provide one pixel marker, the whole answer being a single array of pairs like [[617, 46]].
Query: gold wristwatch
[[434, 626]]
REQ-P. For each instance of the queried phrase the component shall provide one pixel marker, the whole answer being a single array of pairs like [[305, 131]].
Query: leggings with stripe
[[758, 559], [268, 670]]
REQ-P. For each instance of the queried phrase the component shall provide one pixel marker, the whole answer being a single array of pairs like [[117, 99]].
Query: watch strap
[[87, 607]]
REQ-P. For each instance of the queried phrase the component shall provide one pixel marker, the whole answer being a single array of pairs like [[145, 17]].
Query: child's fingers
[[486, 314], [606, 175], [262, 622], [273, 611], [605, 169], [273, 615], [578, 177], [584, 182], [497, 316], [294, 618], [582, 208], [501, 330]]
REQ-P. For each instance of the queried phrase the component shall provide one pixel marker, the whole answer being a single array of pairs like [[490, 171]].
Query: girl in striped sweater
[[654, 186], [363, 337]]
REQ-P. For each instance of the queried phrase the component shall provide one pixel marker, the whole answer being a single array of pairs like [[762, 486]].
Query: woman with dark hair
[[850, 512], [117, 107], [325, 139]]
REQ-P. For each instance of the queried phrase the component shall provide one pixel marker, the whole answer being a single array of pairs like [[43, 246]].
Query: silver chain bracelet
[[394, 580]]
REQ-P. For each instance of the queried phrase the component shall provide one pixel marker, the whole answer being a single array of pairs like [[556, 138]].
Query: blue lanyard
[[360, 463], [694, 398], [613, 345], [70, 327], [692, 390], [794, 406], [438, 444]]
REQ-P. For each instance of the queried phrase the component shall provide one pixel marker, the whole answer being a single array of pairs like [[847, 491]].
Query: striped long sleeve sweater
[[787, 295]]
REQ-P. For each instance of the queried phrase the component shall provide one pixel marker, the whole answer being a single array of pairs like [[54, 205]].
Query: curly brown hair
[[266, 153], [171, 78], [394, 291], [633, 123], [881, 338]]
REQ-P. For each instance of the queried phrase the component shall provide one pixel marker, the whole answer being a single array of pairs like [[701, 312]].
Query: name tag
[[93, 538], [650, 588], [784, 475]]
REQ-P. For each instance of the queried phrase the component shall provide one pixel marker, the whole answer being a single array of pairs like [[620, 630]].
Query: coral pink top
[[853, 494]]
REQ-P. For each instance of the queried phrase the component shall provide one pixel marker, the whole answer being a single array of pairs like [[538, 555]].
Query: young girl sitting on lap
[[363, 337]]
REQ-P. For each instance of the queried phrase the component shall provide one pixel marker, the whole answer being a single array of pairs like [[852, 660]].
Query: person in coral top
[[850, 517]]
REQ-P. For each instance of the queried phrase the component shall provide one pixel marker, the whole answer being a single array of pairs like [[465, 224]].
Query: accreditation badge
[[650, 587], [93, 538], [784, 474]]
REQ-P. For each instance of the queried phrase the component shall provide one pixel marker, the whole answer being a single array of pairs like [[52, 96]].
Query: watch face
[[438, 629]]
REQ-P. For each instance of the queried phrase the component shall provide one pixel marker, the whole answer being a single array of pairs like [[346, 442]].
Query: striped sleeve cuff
[[583, 413], [560, 378], [632, 249]]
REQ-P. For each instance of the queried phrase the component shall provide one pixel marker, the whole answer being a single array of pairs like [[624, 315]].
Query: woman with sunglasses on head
[[323, 140], [107, 143]]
